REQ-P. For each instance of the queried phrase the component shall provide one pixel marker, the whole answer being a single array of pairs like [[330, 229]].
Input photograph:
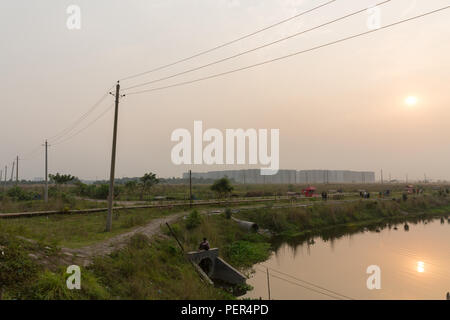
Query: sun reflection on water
[[420, 266]]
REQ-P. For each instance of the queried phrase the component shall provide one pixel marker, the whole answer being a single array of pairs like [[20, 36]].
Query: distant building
[[335, 176], [38, 179], [253, 176]]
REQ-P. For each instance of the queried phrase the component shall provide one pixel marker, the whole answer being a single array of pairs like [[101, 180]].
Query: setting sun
[[411, 101]]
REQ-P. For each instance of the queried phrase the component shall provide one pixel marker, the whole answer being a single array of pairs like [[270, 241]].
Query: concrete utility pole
[[12, 171], [6, 173], [17, 170], [113, 163], [190, 188], [381, 176], [46, 173]]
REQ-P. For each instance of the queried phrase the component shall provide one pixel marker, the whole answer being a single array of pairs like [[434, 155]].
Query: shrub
[[101, 192], [193, 220], [19, 194], [16, 267], [243, 253], [228, 213], [52, 286]]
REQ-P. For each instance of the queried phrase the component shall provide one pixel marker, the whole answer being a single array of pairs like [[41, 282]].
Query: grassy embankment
[[157, 269], [144, 269], [78, 230], [293, 222]]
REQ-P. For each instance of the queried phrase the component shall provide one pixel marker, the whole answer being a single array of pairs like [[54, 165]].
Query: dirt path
[[84, 255]]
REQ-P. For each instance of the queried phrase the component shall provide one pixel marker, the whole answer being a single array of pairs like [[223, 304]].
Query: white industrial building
[[289, 176]]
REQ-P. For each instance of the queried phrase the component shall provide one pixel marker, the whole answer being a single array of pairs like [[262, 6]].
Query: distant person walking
[[204, 245]]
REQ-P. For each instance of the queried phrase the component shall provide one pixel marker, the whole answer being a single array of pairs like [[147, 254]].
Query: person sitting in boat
[[204, 245]]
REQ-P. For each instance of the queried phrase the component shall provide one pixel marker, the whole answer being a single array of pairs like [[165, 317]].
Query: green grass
[[156, 270], [62, 202], [78, 229], [237, 246], [203, 191], [141, 270], [296, 221]]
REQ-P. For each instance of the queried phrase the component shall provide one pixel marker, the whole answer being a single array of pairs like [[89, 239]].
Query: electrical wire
[[28, 155], [302, 286], [310, 283], [86, 127], [227, 43], [289, 55], [67, 130], [254, 49]]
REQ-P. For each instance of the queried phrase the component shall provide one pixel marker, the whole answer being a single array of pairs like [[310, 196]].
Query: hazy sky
[[340, 107]]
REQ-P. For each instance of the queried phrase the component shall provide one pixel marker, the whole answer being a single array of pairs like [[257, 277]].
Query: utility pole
[[190, 188], [12, 171], [113, 162], [381, 176], [17, 170], [268, 282], [46, 173], [6, 173]]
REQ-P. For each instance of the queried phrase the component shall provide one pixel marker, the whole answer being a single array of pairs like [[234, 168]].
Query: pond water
[[413, 264]]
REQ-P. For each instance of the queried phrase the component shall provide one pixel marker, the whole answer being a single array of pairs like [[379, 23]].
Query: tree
[[60, 179], [131, 186], [222, 187], [147, 182]]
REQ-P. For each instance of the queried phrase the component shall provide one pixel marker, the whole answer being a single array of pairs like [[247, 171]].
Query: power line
[[62, 133], [67, 130], [255, 49], [28, 155], [310, 283], [289, 55], [86, 127], [227, 43], [302, 286]]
